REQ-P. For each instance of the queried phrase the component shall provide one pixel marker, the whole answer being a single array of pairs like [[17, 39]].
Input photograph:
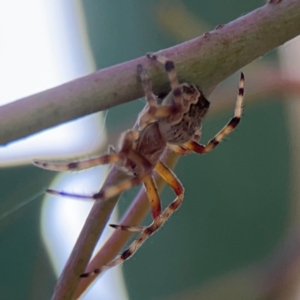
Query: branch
[[207, 60]]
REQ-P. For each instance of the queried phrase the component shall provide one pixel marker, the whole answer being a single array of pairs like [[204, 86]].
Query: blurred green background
[[236, 209]]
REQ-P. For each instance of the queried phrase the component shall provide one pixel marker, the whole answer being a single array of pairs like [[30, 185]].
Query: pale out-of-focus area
[[237, 235]]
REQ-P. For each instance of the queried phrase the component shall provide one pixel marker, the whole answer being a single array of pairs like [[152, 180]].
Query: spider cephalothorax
[[174, 123]]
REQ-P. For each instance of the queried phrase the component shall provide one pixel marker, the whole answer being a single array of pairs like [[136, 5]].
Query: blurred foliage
[[25, 268]]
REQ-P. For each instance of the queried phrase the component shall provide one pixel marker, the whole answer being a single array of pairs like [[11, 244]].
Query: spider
[[173, 124]]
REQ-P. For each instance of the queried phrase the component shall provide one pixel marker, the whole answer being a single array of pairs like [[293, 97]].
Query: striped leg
[[107, 193], [175, 86], [103, 195], [154, 200], [226, 130], [147, 116], [80, 165], [146, 232], [153, 111], [127, 140], [145, 177], [169, 67], [112, 191], [125, 153]]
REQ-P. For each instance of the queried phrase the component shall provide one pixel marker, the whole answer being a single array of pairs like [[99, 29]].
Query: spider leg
[[152, 112], [107, 193], [80, 165], [175, 86], [154, 200], [144, 177], [173, 181], [226, 130], [112, 191], [178, 149], [169, 67], [128, 138], [147, 86], [128, 227], [153, 196]]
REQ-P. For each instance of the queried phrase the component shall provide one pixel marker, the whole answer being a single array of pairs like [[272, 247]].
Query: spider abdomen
[[184, 130]]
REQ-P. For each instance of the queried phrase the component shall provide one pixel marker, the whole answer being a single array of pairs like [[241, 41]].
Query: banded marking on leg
[[146, 233], [80, 165], [105, 194], [194, 146], [176, 108], [153, 112], [226, 130], [128, 227], [176, 185], [169, 67], [240, 98]]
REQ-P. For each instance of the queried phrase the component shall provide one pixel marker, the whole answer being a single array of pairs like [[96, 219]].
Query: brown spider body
[[195, 106], [151, 143], [153, 139], [174, 123]]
